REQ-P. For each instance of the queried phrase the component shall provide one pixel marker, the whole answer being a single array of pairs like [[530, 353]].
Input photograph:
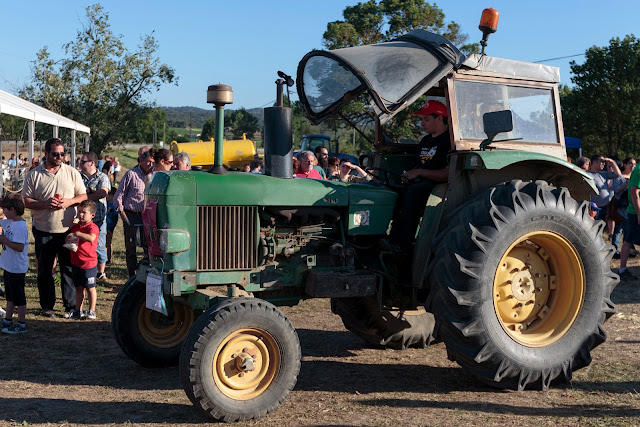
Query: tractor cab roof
[[394, 74]]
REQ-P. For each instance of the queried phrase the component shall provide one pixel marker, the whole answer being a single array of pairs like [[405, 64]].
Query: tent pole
[[31, 132]]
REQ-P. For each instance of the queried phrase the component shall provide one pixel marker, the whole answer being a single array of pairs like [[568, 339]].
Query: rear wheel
[[146, 336], [240, 361], [389, 328], [521, 285]]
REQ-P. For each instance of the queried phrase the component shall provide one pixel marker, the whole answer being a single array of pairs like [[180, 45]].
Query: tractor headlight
[[173, 241]]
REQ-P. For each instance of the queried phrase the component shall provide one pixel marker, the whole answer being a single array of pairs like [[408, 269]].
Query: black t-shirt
[[432, 152]]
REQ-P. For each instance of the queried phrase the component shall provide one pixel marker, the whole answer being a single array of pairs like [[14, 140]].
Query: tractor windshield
[[394, 74], [533, 109]]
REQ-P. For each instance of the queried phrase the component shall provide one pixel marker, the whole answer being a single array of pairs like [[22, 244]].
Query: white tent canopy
[[16, 106]]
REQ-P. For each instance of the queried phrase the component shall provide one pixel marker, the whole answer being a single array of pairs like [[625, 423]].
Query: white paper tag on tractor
[[155, 301], [361, 218]]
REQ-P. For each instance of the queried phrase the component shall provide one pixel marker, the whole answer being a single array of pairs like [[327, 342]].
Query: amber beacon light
[[488, 25]]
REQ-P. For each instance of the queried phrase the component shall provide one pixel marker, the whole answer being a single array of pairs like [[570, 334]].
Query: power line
[[560, 57]]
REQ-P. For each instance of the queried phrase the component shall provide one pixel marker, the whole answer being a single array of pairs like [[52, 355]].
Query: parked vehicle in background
[[236, 153], [310, 142]]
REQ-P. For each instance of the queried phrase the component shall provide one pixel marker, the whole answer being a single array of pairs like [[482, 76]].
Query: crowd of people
[[617, 203], [74, 212]]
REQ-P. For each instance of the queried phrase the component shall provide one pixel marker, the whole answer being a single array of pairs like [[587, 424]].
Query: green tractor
[[509, 270]]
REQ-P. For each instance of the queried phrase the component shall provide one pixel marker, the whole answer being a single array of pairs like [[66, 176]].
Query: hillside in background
[[194, 117]]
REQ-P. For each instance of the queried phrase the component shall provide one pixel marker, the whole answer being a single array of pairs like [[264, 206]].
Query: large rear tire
[[389, 328], [521, 285], [149, 338], [240, 361]]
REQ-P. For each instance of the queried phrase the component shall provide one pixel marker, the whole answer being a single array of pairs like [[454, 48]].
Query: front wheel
[[240, 361], [146, 336], [521, 285]]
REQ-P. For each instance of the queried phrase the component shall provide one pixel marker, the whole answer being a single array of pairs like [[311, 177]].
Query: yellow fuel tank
[[235, 153]]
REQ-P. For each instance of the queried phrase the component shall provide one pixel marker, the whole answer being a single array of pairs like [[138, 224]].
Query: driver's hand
[[411, 175]]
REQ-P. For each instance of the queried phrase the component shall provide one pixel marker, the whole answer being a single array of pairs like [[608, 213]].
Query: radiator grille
[[227, 237]]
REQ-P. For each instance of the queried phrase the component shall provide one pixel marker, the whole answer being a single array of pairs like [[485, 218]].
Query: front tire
[[240, 361], [146, 336], [521, 285]]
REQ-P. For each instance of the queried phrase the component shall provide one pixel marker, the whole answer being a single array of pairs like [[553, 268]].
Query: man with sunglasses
[[98, 186], [51, 191]]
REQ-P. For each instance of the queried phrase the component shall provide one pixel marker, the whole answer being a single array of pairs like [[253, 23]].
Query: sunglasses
[[82, 162], [58, 154]]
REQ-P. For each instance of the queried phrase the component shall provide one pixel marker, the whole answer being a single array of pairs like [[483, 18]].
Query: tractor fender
[[533, 166], [474, 171]]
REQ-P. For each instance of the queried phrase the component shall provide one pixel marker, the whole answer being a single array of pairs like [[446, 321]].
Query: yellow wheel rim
[[162, 331], [246, 363], [538, 288]]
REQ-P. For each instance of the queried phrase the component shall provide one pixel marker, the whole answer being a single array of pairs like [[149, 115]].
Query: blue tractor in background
[[310, 142]]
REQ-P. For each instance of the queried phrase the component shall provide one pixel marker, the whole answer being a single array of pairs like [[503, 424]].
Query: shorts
[[14, 288], [112, 219], [632, 230], [84, 277]]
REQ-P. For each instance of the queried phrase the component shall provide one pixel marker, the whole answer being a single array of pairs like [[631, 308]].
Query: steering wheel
[[387, 180]]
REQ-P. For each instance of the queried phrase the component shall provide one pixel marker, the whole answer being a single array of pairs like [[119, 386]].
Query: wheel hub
[[530, 305], [245, 363]]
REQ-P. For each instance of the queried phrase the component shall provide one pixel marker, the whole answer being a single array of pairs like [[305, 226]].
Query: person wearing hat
[[430, 169]]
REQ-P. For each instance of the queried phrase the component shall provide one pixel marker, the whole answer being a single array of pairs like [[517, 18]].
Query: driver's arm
[[437, 175]]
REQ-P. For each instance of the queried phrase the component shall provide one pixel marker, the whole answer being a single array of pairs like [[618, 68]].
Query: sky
[[244, 43]]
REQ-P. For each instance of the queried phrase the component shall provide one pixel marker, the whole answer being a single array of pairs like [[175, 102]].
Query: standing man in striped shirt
[[129, 202]]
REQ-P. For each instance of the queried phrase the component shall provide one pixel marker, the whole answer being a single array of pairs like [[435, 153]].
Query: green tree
[[241, 121], [376, 22], [146, 126], [371, 22], [602, 108], [208, 129], [99, 83]]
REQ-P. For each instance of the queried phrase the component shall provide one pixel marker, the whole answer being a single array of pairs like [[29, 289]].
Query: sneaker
[[72, 314], [6, 323], [49, 313], [16, 328], [102, 277], [1, 293], [91, 315], [627, 275]]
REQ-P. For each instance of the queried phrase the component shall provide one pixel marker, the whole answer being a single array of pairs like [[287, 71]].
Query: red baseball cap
[[432, 107]]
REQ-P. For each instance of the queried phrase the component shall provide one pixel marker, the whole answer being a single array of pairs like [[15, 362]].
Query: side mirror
[[364, 160], [497, 122]]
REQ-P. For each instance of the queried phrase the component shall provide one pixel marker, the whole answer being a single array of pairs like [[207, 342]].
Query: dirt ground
[[73, 373]]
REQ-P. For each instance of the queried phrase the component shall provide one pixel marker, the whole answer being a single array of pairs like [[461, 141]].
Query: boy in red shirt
[[84, 260]]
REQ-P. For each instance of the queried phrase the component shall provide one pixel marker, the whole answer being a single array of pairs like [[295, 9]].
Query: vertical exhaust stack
[[278, 135], [219, 95]]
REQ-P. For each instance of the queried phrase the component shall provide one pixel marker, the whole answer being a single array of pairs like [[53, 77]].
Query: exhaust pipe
[[278, 135]]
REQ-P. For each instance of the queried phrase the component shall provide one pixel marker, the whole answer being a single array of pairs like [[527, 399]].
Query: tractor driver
[[431, 167]]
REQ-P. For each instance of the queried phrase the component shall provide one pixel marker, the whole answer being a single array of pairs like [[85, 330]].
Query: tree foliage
[[376, 22], [371, 22], [208, 130], [99, 83], [241, 121], [602, 108]]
